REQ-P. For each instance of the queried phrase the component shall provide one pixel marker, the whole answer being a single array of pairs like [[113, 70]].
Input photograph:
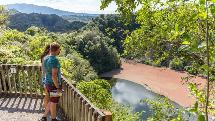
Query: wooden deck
[[19, 108]]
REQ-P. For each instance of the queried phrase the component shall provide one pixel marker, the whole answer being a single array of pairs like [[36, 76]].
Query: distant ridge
[[31, 8]]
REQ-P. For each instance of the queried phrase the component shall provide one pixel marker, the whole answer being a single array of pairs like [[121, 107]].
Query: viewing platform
[[21, 97]]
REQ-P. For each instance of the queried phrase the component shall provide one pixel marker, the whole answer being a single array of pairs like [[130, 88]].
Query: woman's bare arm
[[54, 77]]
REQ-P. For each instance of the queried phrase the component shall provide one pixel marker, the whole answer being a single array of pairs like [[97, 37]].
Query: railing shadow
[[15, 103]]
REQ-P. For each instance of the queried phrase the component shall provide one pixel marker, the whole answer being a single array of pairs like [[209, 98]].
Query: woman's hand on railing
[[59, 92]]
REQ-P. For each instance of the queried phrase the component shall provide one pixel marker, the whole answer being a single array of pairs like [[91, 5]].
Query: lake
[[130, 93]]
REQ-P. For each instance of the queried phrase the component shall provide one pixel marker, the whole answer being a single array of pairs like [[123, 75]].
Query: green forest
[[52, 23], [175, 34]]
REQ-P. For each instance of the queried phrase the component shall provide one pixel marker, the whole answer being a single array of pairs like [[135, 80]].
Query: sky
[[79, 6]]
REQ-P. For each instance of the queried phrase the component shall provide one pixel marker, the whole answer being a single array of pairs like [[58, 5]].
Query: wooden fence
[[26, 80]]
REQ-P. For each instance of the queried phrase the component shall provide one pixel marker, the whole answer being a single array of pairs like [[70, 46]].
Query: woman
[[46, 98], [53, 81]]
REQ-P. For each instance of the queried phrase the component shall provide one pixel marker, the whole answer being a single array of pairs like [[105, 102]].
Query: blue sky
[[86, 6]]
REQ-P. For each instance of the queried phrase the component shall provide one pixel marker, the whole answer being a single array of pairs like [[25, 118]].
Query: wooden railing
[[77, 107], [26, 80]]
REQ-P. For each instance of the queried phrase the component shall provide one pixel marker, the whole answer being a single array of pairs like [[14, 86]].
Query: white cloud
[[86, 6]]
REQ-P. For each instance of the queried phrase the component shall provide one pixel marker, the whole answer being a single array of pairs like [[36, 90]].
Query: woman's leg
[[46, 98], [47, 109], [53, 110], [46, 105], [53, 104]]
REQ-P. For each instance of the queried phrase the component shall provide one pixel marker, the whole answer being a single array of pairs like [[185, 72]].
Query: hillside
[[53, 23]]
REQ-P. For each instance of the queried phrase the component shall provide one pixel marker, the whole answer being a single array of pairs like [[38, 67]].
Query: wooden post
[[1, 85], [4, 78], [25, 80], [73, 105], [90, 114], [14, 79], [70, 104], [21, 76], [86, 111], [108, 115], [18, 83], [83, 111], [40, 77], [35, 82], [8, 78]]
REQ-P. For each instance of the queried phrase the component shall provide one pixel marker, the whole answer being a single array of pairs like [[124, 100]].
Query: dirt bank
[[163, 81]]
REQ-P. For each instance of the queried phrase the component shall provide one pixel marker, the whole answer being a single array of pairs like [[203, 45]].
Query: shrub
[[163, 110], [193, 68], [80, 70], [176, 64]]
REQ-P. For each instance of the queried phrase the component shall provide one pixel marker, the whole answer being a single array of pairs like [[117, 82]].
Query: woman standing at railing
[[46, 98], [53, 80]]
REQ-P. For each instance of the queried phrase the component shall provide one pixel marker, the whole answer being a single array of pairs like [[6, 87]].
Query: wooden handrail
[[26, 80], [86, 108], [20, 79]]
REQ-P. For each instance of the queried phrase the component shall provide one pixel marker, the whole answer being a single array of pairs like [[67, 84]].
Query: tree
[[96, 48], [3, 16], [113, 27], [180, 37]]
